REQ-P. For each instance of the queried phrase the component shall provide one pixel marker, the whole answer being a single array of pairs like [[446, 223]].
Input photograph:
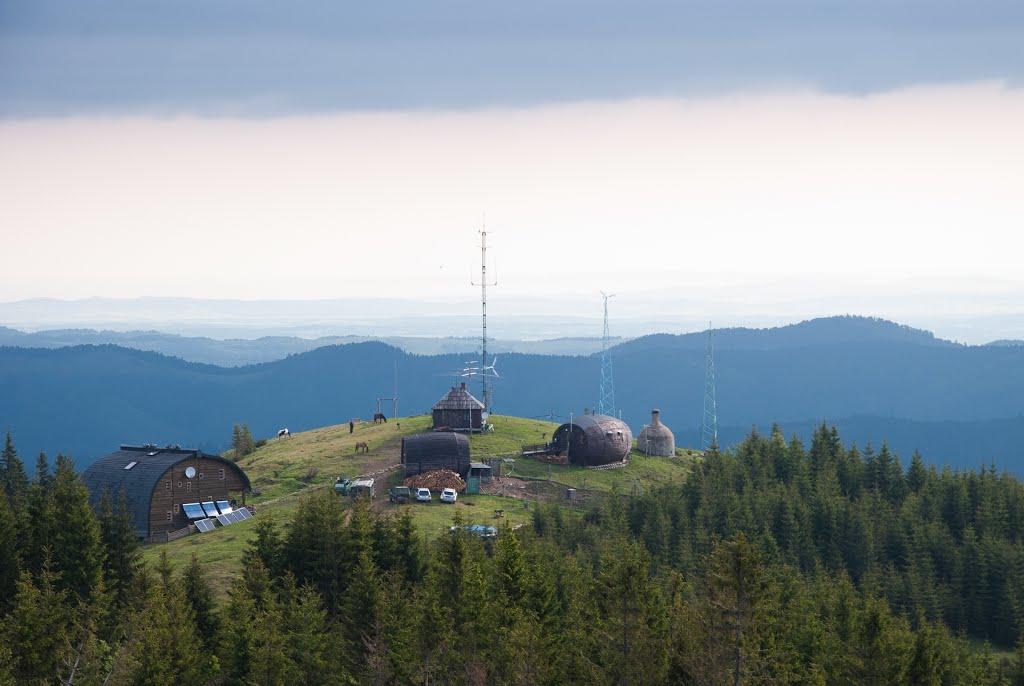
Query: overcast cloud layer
[[263, 57]]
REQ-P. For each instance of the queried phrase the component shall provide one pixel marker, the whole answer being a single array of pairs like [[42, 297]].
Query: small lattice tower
[[606, 403], [709, 426]]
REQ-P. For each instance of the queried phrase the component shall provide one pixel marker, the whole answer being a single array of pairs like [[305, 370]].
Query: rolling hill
[[287, 469], [895, 382]]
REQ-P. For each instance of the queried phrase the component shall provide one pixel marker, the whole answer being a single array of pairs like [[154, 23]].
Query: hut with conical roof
[[656, 438], [458, 410]]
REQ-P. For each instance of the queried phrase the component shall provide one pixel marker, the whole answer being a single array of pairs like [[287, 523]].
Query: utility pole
[[709, 425], [485, 385], [606, 403]]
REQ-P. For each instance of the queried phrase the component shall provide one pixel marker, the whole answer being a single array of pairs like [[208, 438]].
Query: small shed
[[426, 452], [458, 410], [592, 440], [158, 482], [478, 472]]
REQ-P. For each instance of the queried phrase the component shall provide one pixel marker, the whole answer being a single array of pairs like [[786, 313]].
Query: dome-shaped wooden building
[[593, 439], [157, 482], [656, 438]]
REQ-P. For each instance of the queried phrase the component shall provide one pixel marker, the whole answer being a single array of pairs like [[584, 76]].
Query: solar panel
[[234, 516], [224, 506], [223, 519], [244, 513], [210, 509], [193, 511], [205, 525]]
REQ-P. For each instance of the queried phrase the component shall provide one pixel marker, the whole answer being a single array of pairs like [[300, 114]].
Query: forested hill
[[774, 563], [906, 387], [820, 331]]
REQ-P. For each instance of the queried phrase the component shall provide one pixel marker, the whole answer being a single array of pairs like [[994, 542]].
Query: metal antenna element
[[485, 385], [709, 426], [606, 403]]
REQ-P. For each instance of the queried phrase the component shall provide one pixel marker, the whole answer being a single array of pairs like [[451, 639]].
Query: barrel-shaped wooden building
[[593, 439], [433, 450], [158, 481]]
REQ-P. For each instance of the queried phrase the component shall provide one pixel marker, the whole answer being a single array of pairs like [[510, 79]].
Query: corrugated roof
[[458, 399], [109, 474]]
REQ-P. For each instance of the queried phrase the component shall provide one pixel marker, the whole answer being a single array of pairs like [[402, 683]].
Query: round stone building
[[656, 438]]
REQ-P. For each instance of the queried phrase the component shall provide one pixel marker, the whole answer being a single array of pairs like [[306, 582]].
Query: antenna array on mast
[[484, 367], [709, 426], [606, 403]]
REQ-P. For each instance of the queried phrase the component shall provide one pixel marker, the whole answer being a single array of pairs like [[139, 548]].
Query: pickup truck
[[399, 494]]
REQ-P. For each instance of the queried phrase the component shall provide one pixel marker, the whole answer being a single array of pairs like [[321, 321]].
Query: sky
[[761, 161]]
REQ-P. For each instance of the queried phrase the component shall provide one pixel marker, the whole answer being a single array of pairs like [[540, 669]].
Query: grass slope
[[285, 469]]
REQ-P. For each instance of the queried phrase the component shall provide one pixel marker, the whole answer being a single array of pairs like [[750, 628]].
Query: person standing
[[351, 426]]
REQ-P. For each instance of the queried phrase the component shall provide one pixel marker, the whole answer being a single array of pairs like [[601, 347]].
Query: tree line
[[772, 564]]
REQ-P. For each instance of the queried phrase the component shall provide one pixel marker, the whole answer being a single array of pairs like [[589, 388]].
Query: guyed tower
[[485, 384]]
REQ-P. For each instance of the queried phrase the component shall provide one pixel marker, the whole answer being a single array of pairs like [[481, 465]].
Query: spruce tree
[[200, 597], [38, 527], [10, 564], [37, 629], [77, 548], [121, 545], [12, 473]]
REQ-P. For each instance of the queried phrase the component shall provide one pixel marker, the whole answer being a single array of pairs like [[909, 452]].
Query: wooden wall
[[214, 480]]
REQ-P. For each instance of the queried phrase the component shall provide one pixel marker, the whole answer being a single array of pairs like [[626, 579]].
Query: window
[[130, 465], [188, 486], [169, 515], [168, 485], [179, 484], [222, 474], [200, 475]]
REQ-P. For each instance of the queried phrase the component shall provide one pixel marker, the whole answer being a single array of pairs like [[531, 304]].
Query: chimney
[[655, 417]]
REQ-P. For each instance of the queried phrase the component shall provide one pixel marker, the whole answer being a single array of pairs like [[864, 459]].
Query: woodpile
[[437, 480]]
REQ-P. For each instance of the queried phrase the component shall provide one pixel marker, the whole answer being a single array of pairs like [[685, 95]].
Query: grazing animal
[[379, 417], [284, 432], [361, 445]]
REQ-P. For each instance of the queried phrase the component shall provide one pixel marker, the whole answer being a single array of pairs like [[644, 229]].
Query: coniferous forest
[[774, 563]]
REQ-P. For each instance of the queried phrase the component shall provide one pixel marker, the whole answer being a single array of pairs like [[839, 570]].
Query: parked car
[[448, 495], [399, 494], [361, 488], [423, 495], [482, 530]]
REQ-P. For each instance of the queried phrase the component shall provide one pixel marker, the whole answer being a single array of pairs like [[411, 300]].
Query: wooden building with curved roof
[[157, 482], [592, 440]]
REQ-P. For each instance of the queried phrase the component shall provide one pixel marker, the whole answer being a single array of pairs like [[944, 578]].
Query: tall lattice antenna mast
[[606, 403], [709, 428], [485, 384]]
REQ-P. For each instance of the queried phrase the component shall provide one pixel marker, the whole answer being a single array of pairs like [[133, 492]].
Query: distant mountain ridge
[[820, 331], [234, 352], [86, 399]]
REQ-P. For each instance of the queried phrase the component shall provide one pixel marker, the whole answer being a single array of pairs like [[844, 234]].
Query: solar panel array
[[210, 509], [205, 525], [224, 506], [244, 512], [193, 511], [223, 519]]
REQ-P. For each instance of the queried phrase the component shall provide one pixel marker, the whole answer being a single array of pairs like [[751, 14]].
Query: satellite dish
[[190, 472]]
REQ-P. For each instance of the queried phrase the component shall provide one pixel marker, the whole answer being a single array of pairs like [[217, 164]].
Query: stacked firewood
[[437, 480]]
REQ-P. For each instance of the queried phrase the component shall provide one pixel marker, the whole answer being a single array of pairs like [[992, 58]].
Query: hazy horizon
[[745, 165]]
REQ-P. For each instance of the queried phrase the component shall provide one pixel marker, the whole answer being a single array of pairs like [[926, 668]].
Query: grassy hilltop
[[286, 469]]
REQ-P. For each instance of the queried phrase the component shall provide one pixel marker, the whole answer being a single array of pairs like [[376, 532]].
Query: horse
[[284, 433], [362, 445], [379, 417]]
